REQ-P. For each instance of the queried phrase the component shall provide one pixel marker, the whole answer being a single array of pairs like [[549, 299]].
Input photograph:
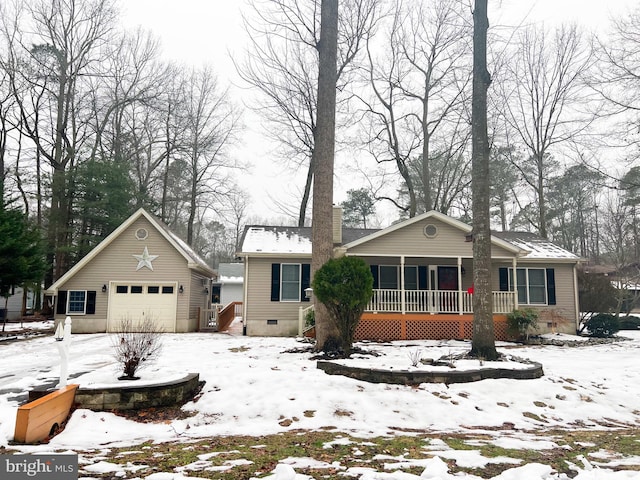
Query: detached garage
[[142, 271]]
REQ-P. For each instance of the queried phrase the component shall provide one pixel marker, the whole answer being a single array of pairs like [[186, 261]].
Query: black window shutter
[[551, 286], [374, 272], [91, 303], [503, 274], [275, 282], [306, 281], [61, 307], [422, 277]]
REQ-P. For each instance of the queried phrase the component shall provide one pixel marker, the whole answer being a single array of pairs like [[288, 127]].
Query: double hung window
[[532, 285], [76, 302], [290, 282]]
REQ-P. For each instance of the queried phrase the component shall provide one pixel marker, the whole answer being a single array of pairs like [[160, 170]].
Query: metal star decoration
[[145, 259]]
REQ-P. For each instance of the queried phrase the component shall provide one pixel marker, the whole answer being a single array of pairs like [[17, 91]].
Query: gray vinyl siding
[[116, 263], [411, 240], [231, 292], [259, 308], [198, 300], [563, 314]]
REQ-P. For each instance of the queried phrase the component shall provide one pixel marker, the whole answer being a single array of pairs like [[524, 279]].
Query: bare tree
[[419, 87], [5, 127], [504, 178], [235, 212], [282, 65], [210, 123], [617, 77], [483, 340], [48, 67], [542, 92]]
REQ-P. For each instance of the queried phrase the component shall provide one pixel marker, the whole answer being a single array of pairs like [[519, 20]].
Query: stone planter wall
[[408, 377], [132, 397]]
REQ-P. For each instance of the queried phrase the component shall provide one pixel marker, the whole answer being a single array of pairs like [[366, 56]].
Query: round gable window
[[142, 234], [430, 230]]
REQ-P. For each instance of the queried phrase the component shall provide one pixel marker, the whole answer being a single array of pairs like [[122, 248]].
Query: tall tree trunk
[[426, 161], [327, 335], [483, 342], [302, 215], [542, 201]]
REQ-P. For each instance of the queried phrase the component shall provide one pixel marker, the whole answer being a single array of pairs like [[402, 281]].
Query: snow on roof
[[625, 285], [297, 240], [259, 239], [537, 247], [224, 279], [270, 239], [231, 273]]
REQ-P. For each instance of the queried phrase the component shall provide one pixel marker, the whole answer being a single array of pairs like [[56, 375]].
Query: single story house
[[142, 270], [228, 286], [422, 278], [20, 300]]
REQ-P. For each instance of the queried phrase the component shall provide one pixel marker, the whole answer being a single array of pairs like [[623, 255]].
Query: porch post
[[402, 298], [460, 299], [515, 283]]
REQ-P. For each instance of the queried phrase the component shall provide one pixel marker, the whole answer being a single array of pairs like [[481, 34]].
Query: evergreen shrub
[[521, 321], [602, 325], [629, 322], [344, 286]]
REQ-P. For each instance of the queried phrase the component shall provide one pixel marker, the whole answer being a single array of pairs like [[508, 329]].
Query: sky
[[211, 31], [253, 383]]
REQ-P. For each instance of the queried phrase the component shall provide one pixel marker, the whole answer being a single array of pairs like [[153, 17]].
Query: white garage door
[[140, 301]]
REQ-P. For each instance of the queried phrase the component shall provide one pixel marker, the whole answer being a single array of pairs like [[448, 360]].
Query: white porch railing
[[434, 301], [302, 316]]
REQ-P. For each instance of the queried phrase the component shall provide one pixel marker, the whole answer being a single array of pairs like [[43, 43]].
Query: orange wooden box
[[40, 418]]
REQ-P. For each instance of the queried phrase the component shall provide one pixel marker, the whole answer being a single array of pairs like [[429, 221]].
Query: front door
[[447, 278], [443, 282]]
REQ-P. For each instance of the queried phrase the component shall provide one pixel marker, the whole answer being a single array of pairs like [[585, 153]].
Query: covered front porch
[[431, 285]]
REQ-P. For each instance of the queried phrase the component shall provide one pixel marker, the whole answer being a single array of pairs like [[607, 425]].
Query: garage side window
[[76, 302]]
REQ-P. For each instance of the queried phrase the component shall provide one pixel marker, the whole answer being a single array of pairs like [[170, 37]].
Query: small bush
[[521, 321], [344, 286], [135, 345], [603, 325], [629, 323], [310, 318]]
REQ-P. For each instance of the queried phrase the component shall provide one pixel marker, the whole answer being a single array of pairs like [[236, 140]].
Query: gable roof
[[536, 246], [194, 261], [463, 227], [268, 240], [274, 240]]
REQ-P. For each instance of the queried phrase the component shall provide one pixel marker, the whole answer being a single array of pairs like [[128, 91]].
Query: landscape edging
[[409, 377]]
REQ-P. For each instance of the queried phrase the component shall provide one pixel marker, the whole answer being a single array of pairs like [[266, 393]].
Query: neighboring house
[[142, 270], [229, 285], [14, 304], [422, 269]]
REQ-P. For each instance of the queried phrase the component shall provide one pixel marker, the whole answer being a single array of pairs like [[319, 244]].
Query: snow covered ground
[[253, 383]]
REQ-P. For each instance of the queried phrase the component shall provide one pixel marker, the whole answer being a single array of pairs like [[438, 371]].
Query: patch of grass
[[239, 349], [260, 455], [533, 416]]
